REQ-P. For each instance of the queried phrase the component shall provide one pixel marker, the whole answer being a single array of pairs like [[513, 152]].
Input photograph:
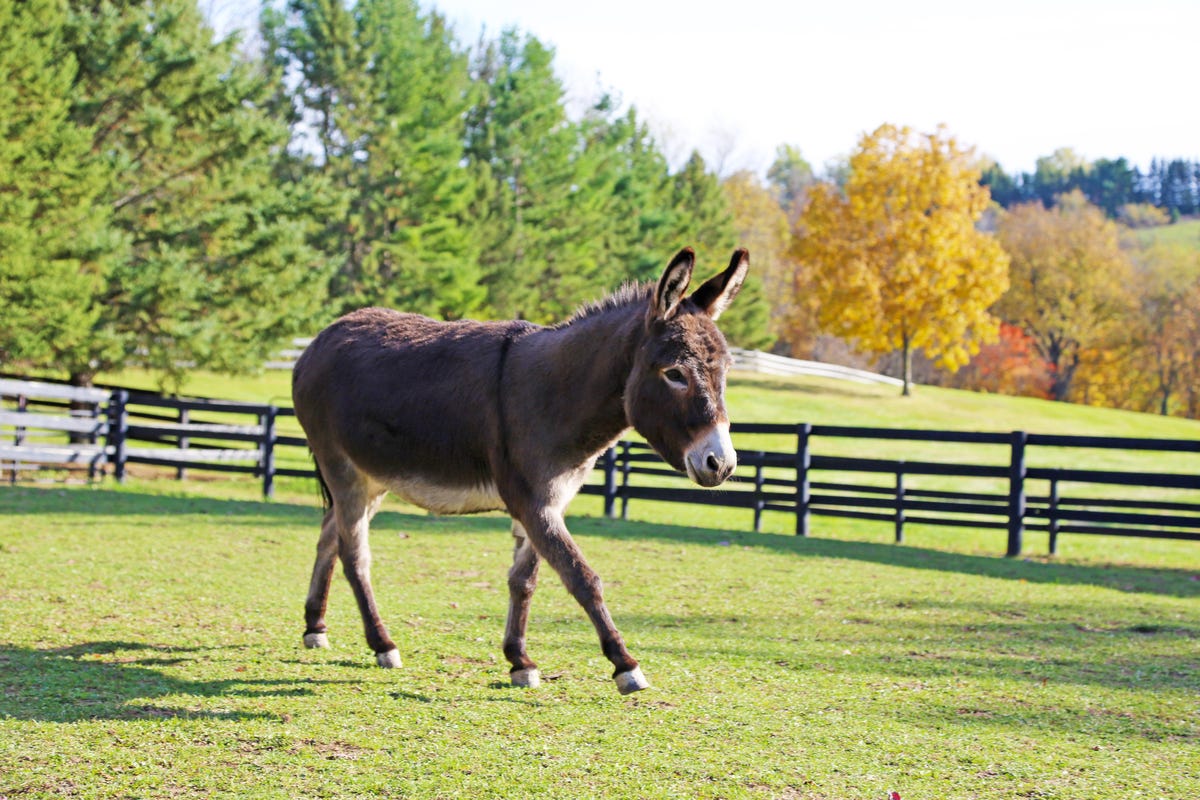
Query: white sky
[[1015, 79]]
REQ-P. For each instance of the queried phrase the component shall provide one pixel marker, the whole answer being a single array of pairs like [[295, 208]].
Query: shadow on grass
[[90, 501], [118, 681], [1125, 578]]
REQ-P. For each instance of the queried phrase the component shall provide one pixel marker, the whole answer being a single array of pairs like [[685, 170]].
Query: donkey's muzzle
[[711, 458]]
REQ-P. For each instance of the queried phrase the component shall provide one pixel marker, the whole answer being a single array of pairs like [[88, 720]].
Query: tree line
[[170, 199], [904, 257], [1112, 184]]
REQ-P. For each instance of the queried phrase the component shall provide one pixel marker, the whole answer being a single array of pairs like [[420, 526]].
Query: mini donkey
[[460, 417]]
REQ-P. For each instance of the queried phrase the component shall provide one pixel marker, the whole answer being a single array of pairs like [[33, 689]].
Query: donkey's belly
[[442, 499]]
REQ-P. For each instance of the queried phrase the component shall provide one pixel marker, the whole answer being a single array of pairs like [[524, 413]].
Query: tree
[[898, 261], [54, 234], [1069, 281], [704, 220], [1165, 363], [641, 222], [1010, 365], [191, 240], [542, 200], [1057, 174], [384, 91], [790, 175], [762, 227]]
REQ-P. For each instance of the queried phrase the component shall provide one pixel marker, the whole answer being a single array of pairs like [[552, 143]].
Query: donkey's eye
[[675, 375]]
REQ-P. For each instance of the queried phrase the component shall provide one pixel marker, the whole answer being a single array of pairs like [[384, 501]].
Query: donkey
[[461, 417]]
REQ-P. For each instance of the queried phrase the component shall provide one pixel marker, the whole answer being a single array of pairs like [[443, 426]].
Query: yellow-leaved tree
[[898, 260], [1073, 291]]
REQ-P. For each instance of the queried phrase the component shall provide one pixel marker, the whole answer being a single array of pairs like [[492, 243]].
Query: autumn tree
[[1069, 282], [1166, 330], [899, 264], [762, 226], [1010, 365]]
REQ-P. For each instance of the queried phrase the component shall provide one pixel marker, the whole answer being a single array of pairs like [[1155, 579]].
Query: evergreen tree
[[53, 236], [540, 219], [704, 220], [383, 90], [790, 175], [639, 233], [213, 267]]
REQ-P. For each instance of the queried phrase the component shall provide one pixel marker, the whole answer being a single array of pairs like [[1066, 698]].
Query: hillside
[[1184, 234]]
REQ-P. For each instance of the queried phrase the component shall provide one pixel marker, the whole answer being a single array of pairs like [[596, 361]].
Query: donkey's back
[[406, 400]]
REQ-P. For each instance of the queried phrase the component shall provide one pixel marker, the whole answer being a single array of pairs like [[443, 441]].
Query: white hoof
[[631, 681], [388, 660], [312, 640], [526, 678]]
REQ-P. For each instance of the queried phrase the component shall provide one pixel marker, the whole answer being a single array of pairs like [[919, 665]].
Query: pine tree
[[53, 237], [383, 90], [704, 220], [213, 268], [538, 221]]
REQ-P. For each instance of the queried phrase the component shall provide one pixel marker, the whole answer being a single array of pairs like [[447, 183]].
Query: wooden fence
[[109, 430]]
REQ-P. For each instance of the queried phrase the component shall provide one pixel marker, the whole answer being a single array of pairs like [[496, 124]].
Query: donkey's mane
[[628, 294]]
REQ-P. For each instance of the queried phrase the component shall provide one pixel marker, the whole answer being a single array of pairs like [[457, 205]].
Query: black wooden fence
[[194, 434], [800, 483]]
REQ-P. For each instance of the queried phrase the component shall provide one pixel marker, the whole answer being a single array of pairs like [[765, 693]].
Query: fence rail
[[111, 429]]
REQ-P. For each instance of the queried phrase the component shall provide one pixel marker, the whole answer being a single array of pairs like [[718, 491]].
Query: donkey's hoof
[[388, 660], [526, 678], [312, 640], [631, 681]]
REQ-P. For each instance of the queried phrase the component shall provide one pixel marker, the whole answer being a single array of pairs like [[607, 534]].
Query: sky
[[1015, 80]]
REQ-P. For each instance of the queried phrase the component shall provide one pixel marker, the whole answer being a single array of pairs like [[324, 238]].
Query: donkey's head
[[675, 395]]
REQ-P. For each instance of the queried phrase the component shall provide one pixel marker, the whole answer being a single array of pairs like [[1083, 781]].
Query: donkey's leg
[[522, 580], [353, 520], [318, 589], [549, 535]]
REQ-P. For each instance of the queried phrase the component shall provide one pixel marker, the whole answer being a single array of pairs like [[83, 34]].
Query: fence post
[[1053, 513], [625, 466], [758, 487], [610, 482], [900, 502], [94, 413], [184, 442], [18, 436], [1016, 494], [268, 451], [118, 428], [803, 491]]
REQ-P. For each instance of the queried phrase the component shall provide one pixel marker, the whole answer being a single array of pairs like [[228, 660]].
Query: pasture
[[150, 647]]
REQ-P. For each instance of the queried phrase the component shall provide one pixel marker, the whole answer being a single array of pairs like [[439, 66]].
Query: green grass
[[1183, 235], [150, 647]]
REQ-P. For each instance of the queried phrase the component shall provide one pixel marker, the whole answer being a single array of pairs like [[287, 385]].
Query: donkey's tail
[[326, 495]]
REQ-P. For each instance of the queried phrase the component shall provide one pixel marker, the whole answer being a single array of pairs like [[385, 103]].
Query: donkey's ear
[[716, 293], [673, 283]]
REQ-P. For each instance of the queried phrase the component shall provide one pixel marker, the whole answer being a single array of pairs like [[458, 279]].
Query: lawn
[[150, 647]]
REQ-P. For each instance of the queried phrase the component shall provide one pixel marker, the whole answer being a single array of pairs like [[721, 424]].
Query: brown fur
[[470, 416]]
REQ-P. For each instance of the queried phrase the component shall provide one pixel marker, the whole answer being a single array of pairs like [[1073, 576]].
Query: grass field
[[150, 647], [1183, 235]]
